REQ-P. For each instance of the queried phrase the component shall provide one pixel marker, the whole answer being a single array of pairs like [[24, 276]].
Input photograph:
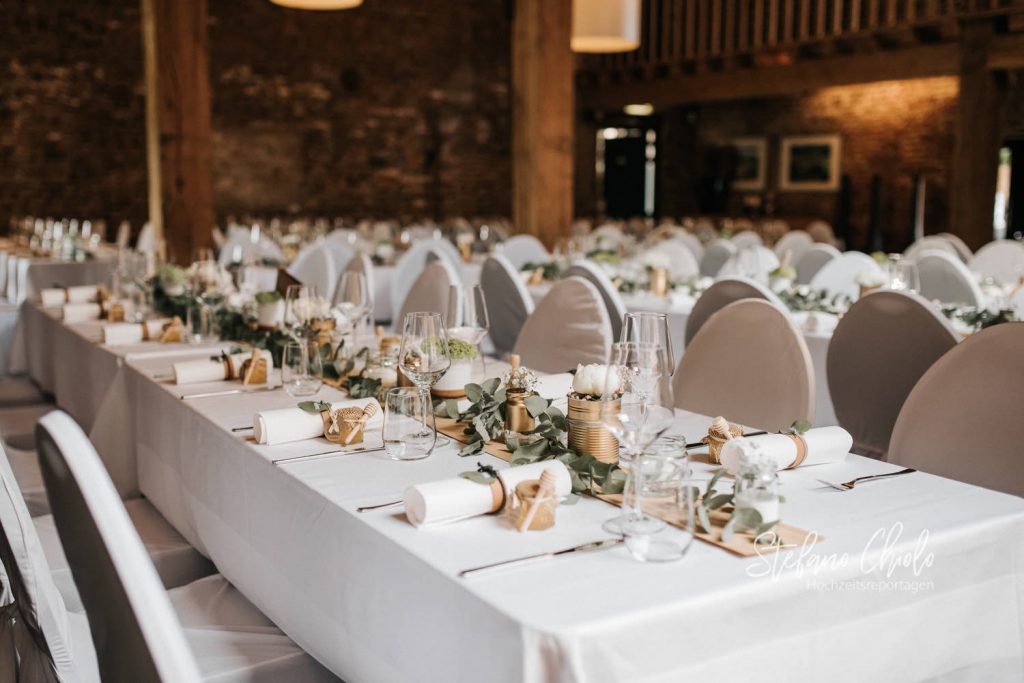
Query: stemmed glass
[[903, 274], [467, 316], [353, 298], [636, 415], [300, 308], [650, 328], [423, 355]]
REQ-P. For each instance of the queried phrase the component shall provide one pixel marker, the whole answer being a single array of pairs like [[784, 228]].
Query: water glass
[[665, 488], [301, 368], [650, 328], [408, 424], [903, 274], [201, 321]]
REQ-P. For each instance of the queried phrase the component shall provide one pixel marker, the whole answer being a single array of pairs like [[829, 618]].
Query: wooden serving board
[[741, 543]]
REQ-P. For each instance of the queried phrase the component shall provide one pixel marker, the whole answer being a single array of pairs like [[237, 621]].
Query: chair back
[[692, 242], [135, 631], [592, 272], [962, 419], [721, 294], [361, 263], [822, 232], [522, 249], [880, 349], [930, 243], [750, 364], [430, 292], [412, 263], [747, 238], [750, 261], [839, 276], [1001, 260], [812, 260], [683, 264], [945, 278], [314, 267], [569, 326], [715, 256], [509, 303], [959, 245], [795, 242]]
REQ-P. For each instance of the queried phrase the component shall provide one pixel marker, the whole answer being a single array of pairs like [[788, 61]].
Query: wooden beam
[[770, 81], [543, 95], [178, 89], [979, 125]]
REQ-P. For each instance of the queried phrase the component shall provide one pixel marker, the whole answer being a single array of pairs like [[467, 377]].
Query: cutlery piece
[[848, 485], [242, 429], [342, 451], [161, 378], [698, 444], [529, 559], [210, 394], [380, 506]]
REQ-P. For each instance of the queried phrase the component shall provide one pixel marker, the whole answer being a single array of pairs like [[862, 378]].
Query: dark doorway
[[626, 162]]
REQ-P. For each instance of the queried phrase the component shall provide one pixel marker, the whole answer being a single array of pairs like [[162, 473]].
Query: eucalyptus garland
[[979, 318]]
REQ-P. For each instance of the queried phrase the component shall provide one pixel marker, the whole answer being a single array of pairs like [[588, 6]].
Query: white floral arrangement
[[208, 277], [871, 278], [384, 250], [594, 381], [313, 308], [652, 258]]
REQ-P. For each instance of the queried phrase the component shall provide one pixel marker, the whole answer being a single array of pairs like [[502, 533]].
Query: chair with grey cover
[[509, 303], [723, 293], [569, 326], [609, 293]]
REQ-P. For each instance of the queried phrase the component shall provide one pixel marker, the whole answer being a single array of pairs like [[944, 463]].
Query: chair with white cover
[[747, 238], [716, 254], [750, 364], [692, 243], [523, 249], [1001, 260], [569, 326], [146, 242], [882, 346], [678, 257], [961, 247], [930, 243], [592, 272], [812, 260], [140, 632], [795, 242], [721, 294], [945, 278], [430, 292], [509, 302], [361, 263], [962, 419], [315, 268], [750, 261], [607, 236], [412, 263], [839, 276]]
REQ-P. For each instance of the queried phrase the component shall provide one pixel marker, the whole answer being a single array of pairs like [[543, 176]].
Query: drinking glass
[[301, 368], [408, 424], [423, 354], [353, 298], [636, 415], [300, 303], [650, 328], [903, 274], [668, 489]]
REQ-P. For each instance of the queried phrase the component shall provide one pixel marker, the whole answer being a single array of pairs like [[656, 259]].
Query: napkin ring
[[171, 331], [254, 369], [801, 451]]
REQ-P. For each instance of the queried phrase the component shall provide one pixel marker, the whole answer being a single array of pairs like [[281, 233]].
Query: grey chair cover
[[795, 242], [715, 256], [812, 260], [523, 249], [509, 303], [720, 295], [839, 276], [1002, 260], [430, 292], [609, 293], [569, 326], [945, 278]]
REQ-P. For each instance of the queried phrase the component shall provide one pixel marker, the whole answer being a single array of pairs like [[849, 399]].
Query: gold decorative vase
[[587, 434], [517, 417], [658, 279]]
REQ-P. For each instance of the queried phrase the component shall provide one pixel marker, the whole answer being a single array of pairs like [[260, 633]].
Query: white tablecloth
[[377, 600]]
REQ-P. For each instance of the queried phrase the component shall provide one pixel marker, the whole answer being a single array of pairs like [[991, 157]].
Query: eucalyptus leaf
[[474, 392], [702, 517], [314, 406], [799, 427], [718, 501], [728, 530], [536, 405], [490, 386], [478, 477], [746, 519], [451, 407]]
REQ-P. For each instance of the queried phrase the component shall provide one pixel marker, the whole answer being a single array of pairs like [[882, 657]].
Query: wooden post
[[178, 124], [543, 87], [978, 137]]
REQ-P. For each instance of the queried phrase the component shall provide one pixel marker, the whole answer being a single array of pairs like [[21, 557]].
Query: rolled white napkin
[[116, 334], [451, 500], [57, 296], [209, 370], [273, 427], [824, 445], [554, 386], [74, 313]]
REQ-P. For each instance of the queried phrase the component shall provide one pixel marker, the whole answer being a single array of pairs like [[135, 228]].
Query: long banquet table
[[375, 599]]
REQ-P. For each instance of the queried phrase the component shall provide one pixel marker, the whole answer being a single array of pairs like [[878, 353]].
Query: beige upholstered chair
[[509, 303], [878, 352], [795, 242], [430, 291], [1002, 260], [716, 254], [749, 364], [593, 273], [962, 419], [570, 325], [361, 263], [720, 295], [945, 278], [812, 260]]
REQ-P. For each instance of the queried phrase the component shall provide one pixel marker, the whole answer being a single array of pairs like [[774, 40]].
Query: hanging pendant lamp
[[605, 25], [318, 4]]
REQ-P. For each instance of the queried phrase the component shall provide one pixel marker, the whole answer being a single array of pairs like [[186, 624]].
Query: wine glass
[[467, 316], [300, 302], [650, 328], [423, 354], [353, 298], [636, 408], [903, 274]]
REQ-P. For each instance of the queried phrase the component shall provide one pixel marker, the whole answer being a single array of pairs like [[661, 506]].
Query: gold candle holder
[[587, 434], [658, 278], [517, 417]]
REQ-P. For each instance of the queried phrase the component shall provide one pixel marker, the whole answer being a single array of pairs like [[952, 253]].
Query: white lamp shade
[[605, 25], [318, 4]]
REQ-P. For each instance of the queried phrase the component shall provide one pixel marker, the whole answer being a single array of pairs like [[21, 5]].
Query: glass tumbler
[[665, 489], [408, 424], [301, 368]]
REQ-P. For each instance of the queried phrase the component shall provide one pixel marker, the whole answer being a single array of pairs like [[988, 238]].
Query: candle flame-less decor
[[602, 26]]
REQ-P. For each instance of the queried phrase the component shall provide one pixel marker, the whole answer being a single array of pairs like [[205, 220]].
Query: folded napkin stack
[[814, 447], [119, 334], [214, 370], [451, 500], [273, 427], [58, 296]]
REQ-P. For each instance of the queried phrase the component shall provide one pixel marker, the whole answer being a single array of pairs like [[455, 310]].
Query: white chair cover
[[716, 254], [682, 263], [723, 293], [795, 242], [752, 260], [609, 293], [880, 349], [509, 303], [412, 263], [749, 364], [569, 326], [430, 291], [315, 268], [340, 253], [1001, 260], [839, 276], [239, 248], [945, 278], [747, 238], [523, 249], [607, 236], [146, 243], [961, 247], [930, 243], [124, 234], [812, 260], [962, 419], [691, 242], [361, 263]]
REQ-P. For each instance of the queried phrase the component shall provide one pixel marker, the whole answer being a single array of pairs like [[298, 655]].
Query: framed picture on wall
[[809, 163], [751, 160]]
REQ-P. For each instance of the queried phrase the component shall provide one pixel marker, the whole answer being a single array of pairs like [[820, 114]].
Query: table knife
[[700, 444], [210, 394], [336, 451], [586, 547]]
